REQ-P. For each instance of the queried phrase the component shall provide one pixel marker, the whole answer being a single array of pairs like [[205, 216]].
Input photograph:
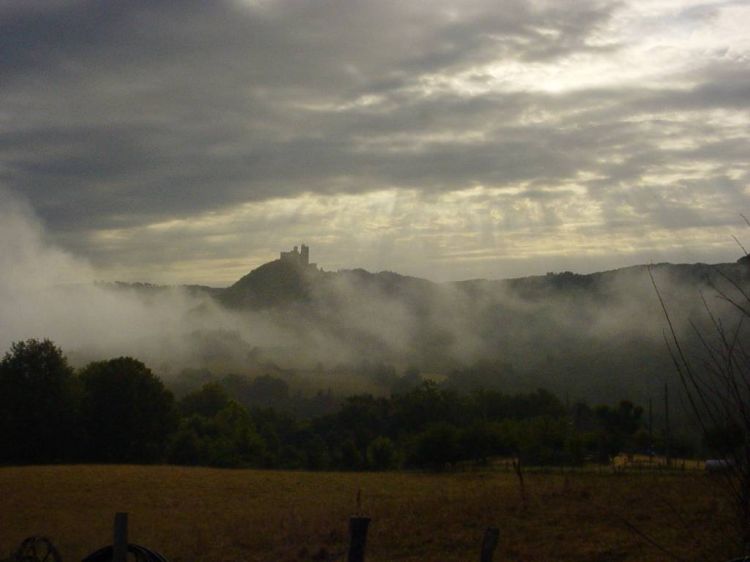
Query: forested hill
[[597, 335], [278, 283]]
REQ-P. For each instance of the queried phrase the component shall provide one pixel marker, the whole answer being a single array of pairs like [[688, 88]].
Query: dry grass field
[[196, 514]]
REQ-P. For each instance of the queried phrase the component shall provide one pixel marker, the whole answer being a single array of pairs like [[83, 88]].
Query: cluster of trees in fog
[[118, 411]]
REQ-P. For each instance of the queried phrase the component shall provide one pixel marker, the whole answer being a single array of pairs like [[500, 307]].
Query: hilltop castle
[[297, 257]]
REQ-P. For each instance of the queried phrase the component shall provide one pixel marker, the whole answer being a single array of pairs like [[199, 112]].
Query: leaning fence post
[[120, 542], [489, 543], [357, 538]]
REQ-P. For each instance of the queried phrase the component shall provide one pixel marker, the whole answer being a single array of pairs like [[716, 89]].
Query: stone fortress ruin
[[299, 257]]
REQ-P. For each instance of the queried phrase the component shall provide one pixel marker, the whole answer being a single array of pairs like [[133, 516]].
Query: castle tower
[[296, 257]]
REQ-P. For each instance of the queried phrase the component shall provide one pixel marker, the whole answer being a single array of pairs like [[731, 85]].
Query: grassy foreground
[[207, 515]]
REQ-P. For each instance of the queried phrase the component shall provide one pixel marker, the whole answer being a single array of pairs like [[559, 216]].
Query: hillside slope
[[596, 336]]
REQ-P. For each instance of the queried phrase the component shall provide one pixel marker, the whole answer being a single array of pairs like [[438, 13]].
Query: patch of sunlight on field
[[208, 515]]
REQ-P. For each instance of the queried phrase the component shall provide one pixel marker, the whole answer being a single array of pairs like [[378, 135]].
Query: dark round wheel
[[135, 552], [37, 549]]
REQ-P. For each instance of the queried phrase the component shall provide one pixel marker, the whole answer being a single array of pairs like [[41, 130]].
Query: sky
[[184, 141]]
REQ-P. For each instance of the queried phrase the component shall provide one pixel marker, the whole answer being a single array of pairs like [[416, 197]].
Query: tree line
[[119, 411]]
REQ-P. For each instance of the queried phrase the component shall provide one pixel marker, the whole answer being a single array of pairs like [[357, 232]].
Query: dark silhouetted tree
[[717, 383], [126, 412], [37, 404], [437, 447]]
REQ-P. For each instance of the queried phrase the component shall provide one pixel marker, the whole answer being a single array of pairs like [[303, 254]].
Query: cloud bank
[[184, 141]]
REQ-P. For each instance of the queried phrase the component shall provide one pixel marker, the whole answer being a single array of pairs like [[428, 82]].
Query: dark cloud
[[150, 105], [120, 115]]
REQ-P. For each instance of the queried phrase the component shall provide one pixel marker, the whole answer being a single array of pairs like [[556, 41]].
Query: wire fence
[[41, 549]]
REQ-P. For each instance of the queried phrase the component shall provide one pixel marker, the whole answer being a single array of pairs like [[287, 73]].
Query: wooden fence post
[[489, 543], [357, 538], [120, 539]]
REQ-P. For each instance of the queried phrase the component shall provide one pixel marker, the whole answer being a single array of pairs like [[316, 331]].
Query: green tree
[[382, 454], [426, 405], [243, 445], [436, 447], [617, 427], [189, 445], [37, 404], [316, 453], [349, 457], [482, 439], [543, 441], [207, 402], [126, 412], [226, 439]]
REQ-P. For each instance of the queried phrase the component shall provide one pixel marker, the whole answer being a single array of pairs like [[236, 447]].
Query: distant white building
[[719, 465]]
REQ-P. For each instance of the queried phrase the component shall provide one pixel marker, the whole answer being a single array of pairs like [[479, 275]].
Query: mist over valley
[[595, 337]]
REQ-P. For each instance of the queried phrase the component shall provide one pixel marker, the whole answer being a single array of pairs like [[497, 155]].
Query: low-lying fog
[[583, 336]]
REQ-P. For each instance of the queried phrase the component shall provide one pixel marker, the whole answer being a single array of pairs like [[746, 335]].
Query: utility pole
[[650, 429], [667, 436]]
